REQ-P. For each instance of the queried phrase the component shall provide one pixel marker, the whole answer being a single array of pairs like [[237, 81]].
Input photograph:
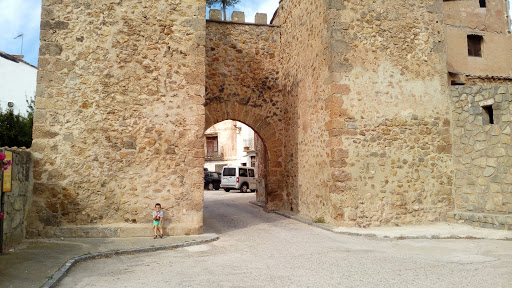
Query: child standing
[[158, 217]]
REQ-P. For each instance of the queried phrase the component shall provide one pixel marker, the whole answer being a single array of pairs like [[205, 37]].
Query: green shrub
[[15, 129], [319, 220]]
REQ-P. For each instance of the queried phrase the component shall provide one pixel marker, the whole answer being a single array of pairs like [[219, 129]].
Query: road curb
[[63, 271], [304, 220], [368, 235]]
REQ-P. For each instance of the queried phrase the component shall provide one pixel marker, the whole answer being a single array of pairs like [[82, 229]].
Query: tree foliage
[[223, 4], [15, 129]]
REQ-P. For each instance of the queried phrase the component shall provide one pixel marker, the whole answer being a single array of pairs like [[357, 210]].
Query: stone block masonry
[[391, 160], [260, 18], [18, 200], [350, 99], [304, 71], [238, 17], [482, 130], [120, 118], [242, 84], [366, 86]]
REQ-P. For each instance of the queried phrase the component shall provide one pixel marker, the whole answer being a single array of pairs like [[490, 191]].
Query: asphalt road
[[257, 249]]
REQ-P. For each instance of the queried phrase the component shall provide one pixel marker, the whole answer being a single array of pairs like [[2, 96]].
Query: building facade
[[350, 99], [479, 42], [230, 143], [18, 81]]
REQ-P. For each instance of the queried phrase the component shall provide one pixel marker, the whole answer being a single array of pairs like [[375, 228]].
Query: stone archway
[[242, 83], [272, 174]]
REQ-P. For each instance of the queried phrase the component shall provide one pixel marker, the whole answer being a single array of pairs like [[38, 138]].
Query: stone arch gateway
[[242, 83], [121, 110], [350, 98]]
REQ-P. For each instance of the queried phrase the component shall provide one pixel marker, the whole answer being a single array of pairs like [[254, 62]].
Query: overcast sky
[[24, 16]]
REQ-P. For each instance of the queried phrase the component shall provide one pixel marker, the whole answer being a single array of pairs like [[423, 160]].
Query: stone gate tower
[[120, 113]]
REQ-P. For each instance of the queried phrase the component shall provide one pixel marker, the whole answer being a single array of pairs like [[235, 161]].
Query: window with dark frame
[[475, 45], [483, 4]]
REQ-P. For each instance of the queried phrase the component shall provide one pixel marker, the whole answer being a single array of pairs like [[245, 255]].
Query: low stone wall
[[16, 202], [482, 155]]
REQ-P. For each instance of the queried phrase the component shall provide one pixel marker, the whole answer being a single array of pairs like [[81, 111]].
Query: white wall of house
[[217, 165], [17, 84], [231, 143], [245, 137]]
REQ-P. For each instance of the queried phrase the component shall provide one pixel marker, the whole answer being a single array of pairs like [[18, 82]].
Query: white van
[[238, 178]]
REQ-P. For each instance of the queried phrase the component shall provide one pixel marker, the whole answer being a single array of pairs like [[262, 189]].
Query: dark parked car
[[211, 180]]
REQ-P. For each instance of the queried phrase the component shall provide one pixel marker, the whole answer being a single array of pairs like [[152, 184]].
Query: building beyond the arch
[[350, 98]]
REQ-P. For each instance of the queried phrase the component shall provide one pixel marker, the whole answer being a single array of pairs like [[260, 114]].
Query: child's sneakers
[[154, 237], [161, 236]]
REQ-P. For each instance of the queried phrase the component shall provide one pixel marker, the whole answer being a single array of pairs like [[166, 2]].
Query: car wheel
[[244, 188], [227, 190], [210, 186]]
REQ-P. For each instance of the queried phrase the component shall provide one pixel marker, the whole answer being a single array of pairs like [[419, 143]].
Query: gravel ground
[[257, 249]]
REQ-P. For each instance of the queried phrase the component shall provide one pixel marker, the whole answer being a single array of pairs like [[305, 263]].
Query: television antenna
[[21, 35]]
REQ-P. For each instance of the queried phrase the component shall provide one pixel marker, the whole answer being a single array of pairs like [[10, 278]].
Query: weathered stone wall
[[304, 73], [119, 117], [242, 83], [366, 90], [18, 200], [393, 147], [349, 98], [482, 156]]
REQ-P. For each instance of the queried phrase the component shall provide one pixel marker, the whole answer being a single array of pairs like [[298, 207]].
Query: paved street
[[257, 249]]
